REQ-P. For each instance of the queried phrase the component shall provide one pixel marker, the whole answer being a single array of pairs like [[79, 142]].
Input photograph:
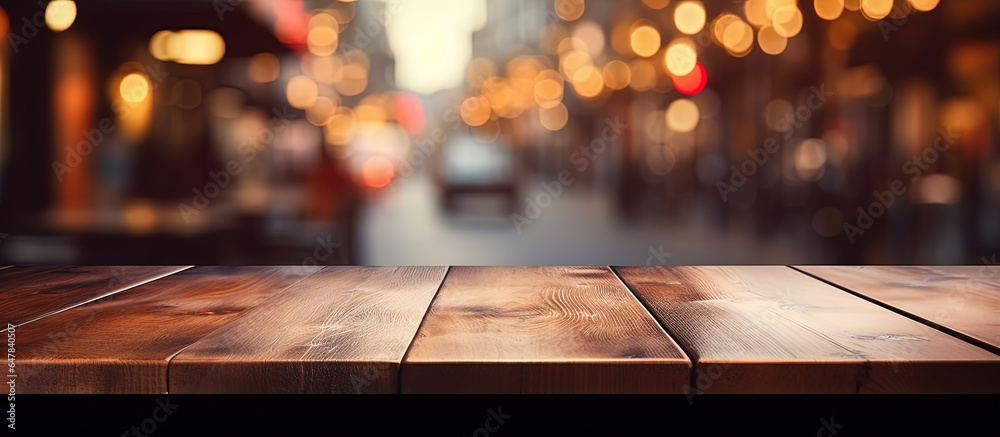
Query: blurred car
[[470, 167]]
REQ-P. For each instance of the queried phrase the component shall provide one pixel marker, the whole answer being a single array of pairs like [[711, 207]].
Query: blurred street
[[499, 132], [408, 226]]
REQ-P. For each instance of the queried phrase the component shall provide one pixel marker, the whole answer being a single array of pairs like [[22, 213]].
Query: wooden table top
[[692, 330]]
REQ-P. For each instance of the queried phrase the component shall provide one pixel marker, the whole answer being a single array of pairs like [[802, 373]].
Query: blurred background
[[388, 132]]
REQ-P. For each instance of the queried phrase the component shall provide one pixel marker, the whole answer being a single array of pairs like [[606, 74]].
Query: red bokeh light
[[693, 82]]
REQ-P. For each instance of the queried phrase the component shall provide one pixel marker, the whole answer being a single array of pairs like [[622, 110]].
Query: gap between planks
[[170, 359], [693, 358], [927, 322]]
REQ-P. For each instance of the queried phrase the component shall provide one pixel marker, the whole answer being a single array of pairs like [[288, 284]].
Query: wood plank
[[30, 293], [342, 330], [771, 329], [540, 330], [962, 300], [122, 343]]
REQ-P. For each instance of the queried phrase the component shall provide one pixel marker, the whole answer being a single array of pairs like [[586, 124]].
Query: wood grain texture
[[962, 299], [30, 293], [122, 343], [342, 330], [540, 330], [775, 330]]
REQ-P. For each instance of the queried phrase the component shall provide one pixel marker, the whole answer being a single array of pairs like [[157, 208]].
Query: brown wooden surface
[[775, 330], [29, 293], [5, 267], [962, 299], [540, 330], [342, 330], [122, 343]]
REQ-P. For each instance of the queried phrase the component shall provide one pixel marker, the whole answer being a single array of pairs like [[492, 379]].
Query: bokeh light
[[554, 118], [60, 15], [689, 17], [693, 82], [681, 57], [645, 40], [134, 87], [829, 9], [301, 92], [682, 115]]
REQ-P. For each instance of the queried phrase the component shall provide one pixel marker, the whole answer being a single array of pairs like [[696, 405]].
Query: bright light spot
[[134, 88], [587, 82], [875, 10], [573, 60], [682, 116], [591, 35], [409, 111], [924, 5], [475, 111], [322, 41], [787, 21], [645, 40], [829, 9], [60, 14], [570, 10], [773, 6], [691, 83], [737, 38], [377, 172], [770, 42], [340, 127], [756, 11], [617, 75], [301, 92], [432, 43], [689, 17], [354, 81], [320, 111], [656, 4], [548, 89], [681, 57], [195, 47], [554, 118], [810, 159]]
